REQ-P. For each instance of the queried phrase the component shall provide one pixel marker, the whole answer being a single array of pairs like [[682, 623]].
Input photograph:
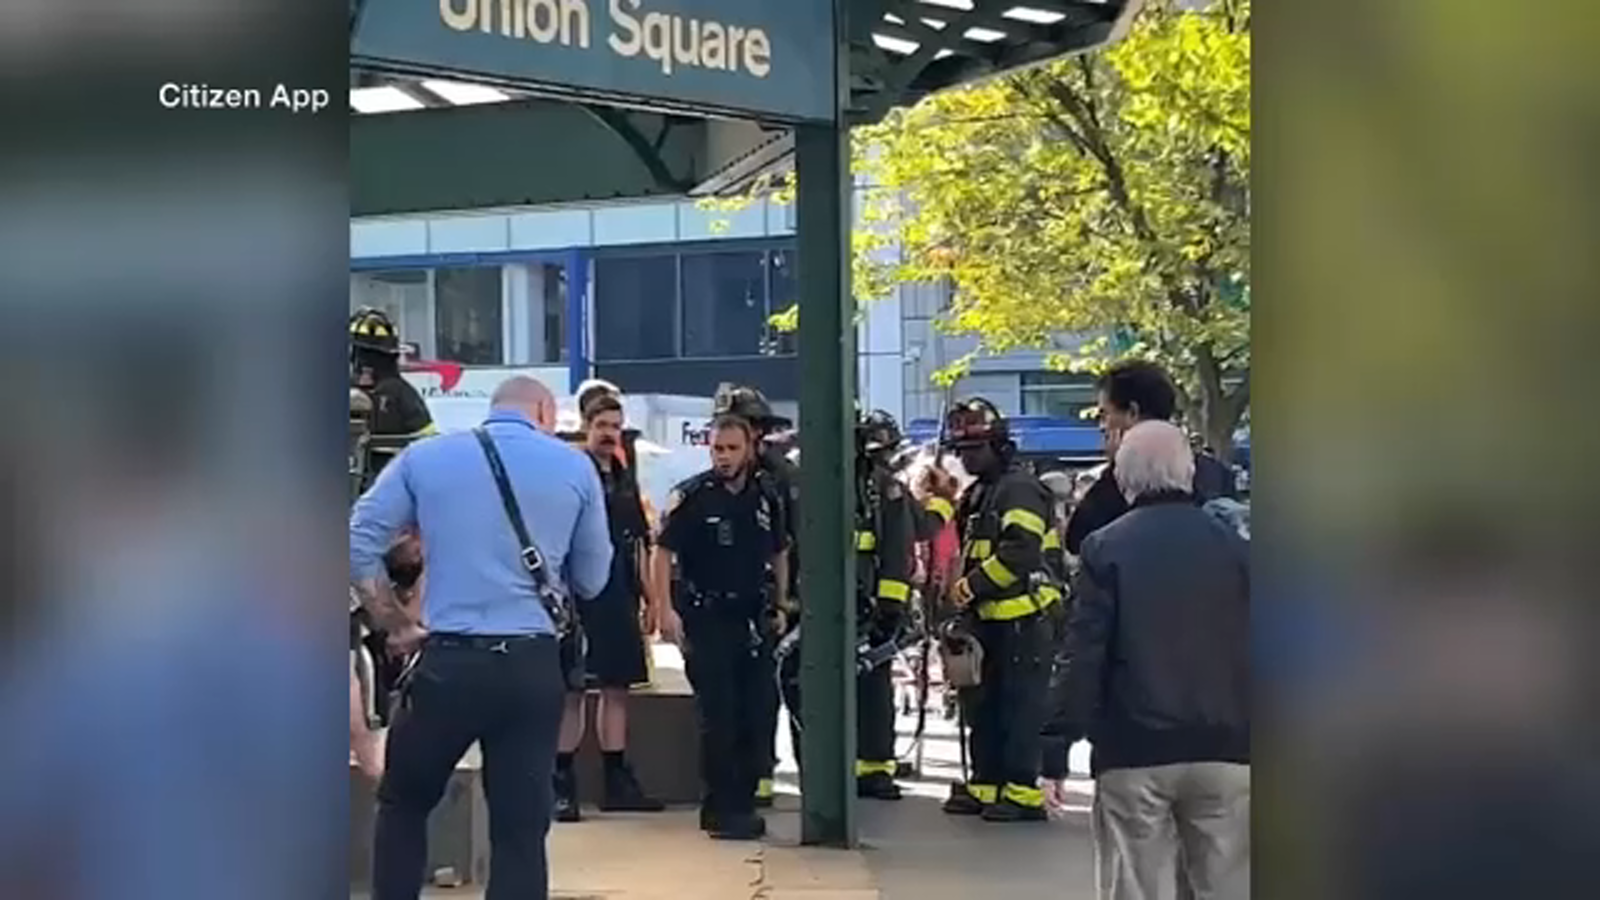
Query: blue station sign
[[766, 58]]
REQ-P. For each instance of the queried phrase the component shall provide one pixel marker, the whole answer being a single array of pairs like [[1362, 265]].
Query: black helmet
[[747, 403], [371, 329], [878, 432], [975, 421]]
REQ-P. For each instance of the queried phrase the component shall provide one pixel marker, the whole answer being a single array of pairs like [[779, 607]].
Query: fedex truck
[[673, 434]]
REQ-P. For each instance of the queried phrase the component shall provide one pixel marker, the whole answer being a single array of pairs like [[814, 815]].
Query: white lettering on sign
[[564, 22], [671, 42]]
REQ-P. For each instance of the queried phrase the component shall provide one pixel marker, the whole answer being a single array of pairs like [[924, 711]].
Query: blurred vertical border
[[1425, 449], [173, 288]]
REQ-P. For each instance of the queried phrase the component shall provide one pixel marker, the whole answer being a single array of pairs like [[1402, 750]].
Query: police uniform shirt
[[723, 540]]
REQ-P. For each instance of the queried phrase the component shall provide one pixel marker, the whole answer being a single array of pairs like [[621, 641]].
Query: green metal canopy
[[422, 102]]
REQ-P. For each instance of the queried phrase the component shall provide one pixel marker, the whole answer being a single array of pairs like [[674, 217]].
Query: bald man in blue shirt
[[490, 669]]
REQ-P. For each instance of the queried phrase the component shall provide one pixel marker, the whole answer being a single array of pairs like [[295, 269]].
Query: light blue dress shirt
[[476, 582]]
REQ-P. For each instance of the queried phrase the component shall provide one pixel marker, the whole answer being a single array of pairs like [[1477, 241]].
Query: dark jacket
[[1103, 503], [1156, 668]]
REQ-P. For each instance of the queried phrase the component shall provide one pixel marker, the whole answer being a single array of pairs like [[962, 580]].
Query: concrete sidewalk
[[910, 852]]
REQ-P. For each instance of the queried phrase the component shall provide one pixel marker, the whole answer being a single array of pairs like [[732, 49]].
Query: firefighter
[[399, 413], [781, 477], [883, 538], [1007, 596], [387, 416]]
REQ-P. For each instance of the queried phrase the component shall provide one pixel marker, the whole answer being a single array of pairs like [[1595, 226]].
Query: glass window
[[468, 312], [724, 303], [1065, 395], [636, 308], [555, 313], [784, 294], [404, 295]]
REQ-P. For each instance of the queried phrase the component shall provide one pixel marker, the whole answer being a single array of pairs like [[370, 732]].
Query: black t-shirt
[[723, 540], [625, 515]]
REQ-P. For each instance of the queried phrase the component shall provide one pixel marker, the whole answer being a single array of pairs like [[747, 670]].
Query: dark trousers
[[508, 700], [771, 712], [730, 668], [1006, 713], [875, 722]]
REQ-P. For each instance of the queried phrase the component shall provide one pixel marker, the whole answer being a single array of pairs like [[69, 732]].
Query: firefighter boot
[[878, 786], [1017, 804], [963, 802]]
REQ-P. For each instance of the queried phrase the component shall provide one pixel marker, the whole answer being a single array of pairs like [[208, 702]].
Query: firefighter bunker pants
[[1007, 711]]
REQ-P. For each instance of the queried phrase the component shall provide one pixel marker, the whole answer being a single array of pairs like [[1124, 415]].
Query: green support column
[[827, 463]]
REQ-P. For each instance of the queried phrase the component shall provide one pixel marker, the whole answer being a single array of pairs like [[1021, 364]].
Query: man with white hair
[[1158, 681]]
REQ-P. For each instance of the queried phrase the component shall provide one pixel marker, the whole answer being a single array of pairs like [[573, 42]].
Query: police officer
[[398, 412], [781, 478], [1006, 593], [883, 539], [723, 530]]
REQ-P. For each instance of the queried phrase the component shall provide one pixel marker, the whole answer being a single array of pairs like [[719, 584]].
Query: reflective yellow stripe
[[1052, 540], [998, 573], [983, 793], [1023, 519], [978, 549], [866, 541], [426, 430], [1023, 796], [943, 507], [864, 768], [889, 589], [1017, 607], [763, 788]]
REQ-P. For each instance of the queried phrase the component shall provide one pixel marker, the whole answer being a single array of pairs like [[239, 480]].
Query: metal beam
[[827, 478]]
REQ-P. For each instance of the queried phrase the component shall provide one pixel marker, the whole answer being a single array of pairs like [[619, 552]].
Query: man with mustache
[[616, 650]]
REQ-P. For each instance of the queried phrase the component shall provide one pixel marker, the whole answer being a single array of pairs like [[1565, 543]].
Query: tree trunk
[[1216, 415]]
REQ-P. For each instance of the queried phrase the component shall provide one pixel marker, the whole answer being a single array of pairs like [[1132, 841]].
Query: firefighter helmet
[[749, 404], [879, 432], [371, 329], [973, 422]]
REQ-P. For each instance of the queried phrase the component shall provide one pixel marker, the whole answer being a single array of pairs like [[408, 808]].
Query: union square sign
[[763, 58]]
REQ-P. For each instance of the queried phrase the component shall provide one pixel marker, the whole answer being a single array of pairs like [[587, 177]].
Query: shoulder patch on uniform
[[893, 490]]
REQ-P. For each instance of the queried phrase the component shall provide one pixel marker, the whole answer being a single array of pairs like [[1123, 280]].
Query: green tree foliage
[[1105, 194]]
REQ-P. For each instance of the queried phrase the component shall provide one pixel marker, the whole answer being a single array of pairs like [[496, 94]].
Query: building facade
[[660, 298]]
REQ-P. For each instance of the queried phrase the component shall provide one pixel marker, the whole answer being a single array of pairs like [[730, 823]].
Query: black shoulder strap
[[553, 599]]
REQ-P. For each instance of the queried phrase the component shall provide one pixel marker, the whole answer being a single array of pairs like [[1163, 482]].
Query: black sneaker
[[623, 794], [739, 827], [961, 802], [1007, 810], [878, 786], [566, 792]]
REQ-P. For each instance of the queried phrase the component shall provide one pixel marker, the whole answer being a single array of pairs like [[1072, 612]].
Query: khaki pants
[[1173, 832]]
